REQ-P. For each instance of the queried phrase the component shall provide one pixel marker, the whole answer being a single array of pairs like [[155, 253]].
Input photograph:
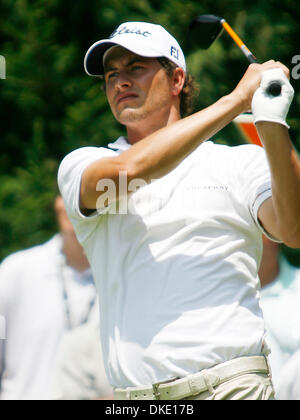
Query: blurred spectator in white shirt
[[45, 292], [81, 374], [280, 298]]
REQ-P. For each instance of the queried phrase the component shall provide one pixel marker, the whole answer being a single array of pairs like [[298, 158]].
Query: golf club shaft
[[239, 42], [274, 88]]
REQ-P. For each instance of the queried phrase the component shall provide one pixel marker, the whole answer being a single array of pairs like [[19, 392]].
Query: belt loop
[[209, 385], [270, 374], [265, 349], [156, 386], [156, 391]]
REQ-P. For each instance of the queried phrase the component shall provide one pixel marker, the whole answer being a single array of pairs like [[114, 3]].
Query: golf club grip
[[274, 88]]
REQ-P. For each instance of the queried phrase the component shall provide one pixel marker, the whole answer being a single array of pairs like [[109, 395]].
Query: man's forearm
[[285, 172], [159, 153]]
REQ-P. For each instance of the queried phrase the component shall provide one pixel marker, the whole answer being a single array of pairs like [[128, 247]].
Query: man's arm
[[159, 153], [280, 214]]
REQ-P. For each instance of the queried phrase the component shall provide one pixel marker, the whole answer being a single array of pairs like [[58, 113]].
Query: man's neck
[[139, 130]]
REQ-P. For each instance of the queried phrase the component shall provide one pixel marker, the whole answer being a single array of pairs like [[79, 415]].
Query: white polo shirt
[[177, 277]]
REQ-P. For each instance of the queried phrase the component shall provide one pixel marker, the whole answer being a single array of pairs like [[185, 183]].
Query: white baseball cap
[[141, 38]]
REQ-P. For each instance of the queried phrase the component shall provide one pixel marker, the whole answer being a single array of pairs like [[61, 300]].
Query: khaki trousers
[[250, 386]]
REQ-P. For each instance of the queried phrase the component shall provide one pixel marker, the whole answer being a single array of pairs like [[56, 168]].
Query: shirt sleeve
[[255, 180], [70, 174], [69, 181]]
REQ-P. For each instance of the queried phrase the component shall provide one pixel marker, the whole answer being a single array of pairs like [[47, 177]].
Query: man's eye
[[137, 67], [112, 75]]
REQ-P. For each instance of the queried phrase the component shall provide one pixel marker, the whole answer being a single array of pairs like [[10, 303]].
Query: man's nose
[[123, 81]]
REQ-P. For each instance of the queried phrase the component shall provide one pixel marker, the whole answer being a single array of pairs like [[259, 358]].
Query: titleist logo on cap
[[124, 30]]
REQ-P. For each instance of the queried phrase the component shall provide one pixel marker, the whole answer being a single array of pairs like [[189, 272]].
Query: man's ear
[[178, 79]]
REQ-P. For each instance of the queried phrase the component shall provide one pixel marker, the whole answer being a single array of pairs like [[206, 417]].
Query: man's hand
[[251, 81], [266, 107]]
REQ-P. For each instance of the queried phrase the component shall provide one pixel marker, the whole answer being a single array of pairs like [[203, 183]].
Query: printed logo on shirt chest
[[205, 197], [181, 199], [221, 188]]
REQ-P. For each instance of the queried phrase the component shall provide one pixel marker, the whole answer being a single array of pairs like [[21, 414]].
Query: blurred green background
[[50, 107]]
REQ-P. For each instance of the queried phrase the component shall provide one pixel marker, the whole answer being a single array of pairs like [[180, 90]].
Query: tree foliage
[[50, 107]]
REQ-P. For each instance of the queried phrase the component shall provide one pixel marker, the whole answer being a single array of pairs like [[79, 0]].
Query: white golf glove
[[266, 107]]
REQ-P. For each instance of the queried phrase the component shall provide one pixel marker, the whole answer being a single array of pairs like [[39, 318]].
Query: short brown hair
[[189, 91]]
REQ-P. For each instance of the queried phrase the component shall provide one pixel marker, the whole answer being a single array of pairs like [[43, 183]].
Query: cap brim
[[93, 62]]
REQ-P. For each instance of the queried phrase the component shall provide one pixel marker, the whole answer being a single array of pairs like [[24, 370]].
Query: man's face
[[136, 87]]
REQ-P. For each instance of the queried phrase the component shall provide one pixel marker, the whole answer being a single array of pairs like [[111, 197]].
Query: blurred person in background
[[45, 291], [289, 382], [280, 297], [81, 374]]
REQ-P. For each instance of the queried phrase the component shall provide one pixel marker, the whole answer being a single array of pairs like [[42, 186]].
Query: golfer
[[172, 223]]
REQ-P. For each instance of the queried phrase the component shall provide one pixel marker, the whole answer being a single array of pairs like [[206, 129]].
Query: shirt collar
[[121, 144]]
